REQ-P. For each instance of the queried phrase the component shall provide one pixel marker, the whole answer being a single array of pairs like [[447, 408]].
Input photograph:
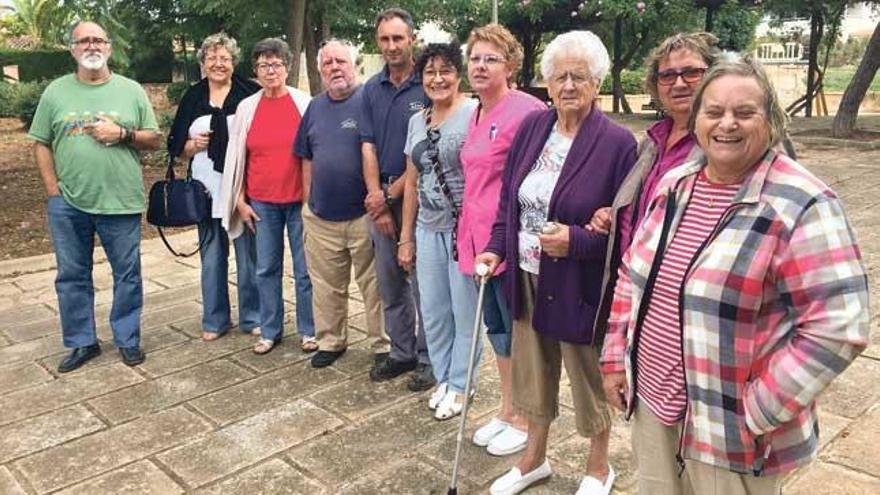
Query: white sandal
[[437, 396], [449, 407], [263, 346]]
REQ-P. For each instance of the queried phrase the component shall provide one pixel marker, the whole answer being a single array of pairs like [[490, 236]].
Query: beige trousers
[[655, 445], [537, 367], [332, 249]]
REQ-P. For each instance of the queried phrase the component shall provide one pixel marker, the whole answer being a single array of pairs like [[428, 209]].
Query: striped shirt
[[659, 365]]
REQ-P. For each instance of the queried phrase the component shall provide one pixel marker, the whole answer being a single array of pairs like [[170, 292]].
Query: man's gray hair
[[734, 64], [581, 43], [75, 24], [353, 51], [219, 40]]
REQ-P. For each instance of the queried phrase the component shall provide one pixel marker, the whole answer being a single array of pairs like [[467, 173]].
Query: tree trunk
[[530, 48], [296, 21], [616, 86], [816, 31], [845, 120], [312, 41]]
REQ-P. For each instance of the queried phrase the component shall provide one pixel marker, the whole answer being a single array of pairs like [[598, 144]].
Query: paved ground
[[215, 418]]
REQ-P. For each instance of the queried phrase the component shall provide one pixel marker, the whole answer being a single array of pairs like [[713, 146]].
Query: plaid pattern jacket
[[773, 307]]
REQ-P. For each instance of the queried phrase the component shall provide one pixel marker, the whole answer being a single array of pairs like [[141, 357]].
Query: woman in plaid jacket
[[741, 297]]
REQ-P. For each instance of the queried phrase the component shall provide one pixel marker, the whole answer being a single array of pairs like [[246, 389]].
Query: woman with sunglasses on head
[[431, 204], [674, 70]]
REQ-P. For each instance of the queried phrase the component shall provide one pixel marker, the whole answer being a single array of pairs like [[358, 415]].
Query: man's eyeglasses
[[275, 67], [486, 59], [91, 41], [689, 75]]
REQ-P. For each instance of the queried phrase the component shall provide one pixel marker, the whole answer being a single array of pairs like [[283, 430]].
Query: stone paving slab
[[154, 395], [93, 455], [38, 433], [212, 417], [8, 484], [823, 478], [19, 376], [265, 392], [65, 391], [274, 476], [247, 442], [142, 477]]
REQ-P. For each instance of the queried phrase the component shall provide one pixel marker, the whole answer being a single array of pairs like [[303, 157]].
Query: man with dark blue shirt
[[337, 233], [391, 97]]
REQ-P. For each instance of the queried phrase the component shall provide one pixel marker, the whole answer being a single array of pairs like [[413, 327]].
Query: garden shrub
[[631, 80], [175, 91], [27, 99], [37, 65]]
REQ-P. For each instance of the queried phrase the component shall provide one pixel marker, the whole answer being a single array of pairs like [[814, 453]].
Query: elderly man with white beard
[[88, 130]]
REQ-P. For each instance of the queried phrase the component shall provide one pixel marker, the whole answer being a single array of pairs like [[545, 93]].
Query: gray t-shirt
[[435, 211]]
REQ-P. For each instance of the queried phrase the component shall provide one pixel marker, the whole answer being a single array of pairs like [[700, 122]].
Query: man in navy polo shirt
[[390, 98], [337, 232]]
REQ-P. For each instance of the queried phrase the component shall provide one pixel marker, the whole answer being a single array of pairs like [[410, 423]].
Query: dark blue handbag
[[177, 202]]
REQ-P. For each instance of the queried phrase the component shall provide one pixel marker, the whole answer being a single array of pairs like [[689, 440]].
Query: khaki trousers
[[655, 446], [332, 249], [537, 367]]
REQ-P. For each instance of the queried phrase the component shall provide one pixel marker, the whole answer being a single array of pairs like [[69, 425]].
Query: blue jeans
[[73, 235], [497, 318], [274, 218], [449, 306], [216, 312]]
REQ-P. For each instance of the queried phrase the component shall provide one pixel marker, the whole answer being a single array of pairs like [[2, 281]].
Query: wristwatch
[[389, 200]]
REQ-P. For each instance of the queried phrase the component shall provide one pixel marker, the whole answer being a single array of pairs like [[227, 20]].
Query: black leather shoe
[[379, 357], [422, 378], [322, 359], [391, 368], [78, 357], [132, 356]]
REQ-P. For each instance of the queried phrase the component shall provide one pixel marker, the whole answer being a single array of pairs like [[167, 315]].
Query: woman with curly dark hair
[[431, 205]]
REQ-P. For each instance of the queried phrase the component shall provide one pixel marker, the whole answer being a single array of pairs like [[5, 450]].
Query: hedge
[[37, 65], [631, 80], [20, 100]]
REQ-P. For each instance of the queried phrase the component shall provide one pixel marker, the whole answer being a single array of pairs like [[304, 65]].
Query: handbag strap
[[444, 187], [169, 174], [202, 241]]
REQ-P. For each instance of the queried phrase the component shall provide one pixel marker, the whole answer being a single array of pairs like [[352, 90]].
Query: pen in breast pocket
[[493, 131]]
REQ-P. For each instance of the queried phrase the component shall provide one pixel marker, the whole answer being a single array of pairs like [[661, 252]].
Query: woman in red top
[[262, 189]]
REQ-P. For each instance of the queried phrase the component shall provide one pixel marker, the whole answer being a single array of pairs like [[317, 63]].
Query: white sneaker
[[437, 396], [488, 431], [592, 486], [514, 482], [509, 441]]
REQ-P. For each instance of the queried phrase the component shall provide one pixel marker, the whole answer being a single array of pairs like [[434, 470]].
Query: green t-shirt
[[93, 177]]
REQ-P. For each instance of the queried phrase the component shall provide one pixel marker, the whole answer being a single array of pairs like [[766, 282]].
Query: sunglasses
[[689, 75]]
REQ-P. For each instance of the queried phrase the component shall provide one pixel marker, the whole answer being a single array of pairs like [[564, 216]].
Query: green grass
[[837, 78]]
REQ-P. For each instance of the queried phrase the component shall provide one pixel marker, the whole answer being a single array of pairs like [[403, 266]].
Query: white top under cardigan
[[236, 155]]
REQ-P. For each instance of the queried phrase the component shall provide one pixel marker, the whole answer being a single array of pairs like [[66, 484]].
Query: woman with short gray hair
[[742, 296], [199, 136], [263, 191], [565, 163]]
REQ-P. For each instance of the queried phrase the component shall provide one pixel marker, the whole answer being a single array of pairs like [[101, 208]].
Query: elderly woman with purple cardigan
[[565, 163]]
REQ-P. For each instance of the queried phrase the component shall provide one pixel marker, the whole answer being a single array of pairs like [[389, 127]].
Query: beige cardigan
[[236, 156]]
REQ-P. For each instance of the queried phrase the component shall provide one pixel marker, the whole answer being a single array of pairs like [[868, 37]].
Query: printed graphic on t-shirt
[[349, 124], [534, 199], [76, 123]]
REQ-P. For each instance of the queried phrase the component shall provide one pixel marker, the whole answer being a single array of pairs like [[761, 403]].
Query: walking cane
[[482, 272]]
